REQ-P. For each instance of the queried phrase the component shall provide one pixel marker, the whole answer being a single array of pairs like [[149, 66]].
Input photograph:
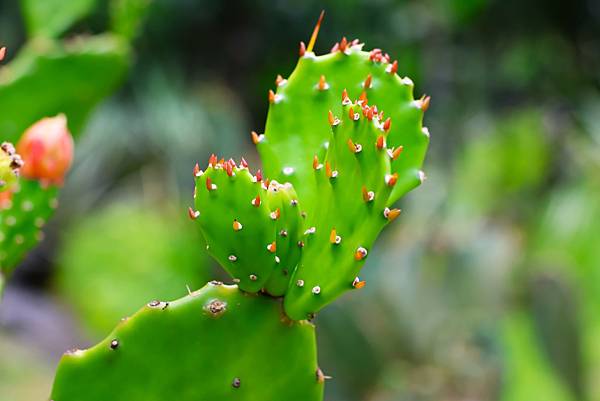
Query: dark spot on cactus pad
[[236, 383], [216, 307], [114, 344], [154, 303]]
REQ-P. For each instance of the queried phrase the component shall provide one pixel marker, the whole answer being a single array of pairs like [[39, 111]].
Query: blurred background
[[487, 288]]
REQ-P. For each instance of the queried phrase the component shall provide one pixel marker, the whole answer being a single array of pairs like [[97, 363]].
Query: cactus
[[338, 164], [218, 343], [327, 137], [46, 149]]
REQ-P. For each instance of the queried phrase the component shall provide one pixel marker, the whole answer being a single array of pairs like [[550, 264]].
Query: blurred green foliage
[[126, 255]]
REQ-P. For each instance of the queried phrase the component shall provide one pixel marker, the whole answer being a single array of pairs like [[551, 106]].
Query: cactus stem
[[194, 214], [360, 253], [313, 37], [368, 81]]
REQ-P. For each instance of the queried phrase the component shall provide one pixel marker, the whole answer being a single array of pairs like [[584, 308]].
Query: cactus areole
[[343, 142]]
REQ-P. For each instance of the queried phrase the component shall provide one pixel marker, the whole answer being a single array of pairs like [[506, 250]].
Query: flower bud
[[47, 150]]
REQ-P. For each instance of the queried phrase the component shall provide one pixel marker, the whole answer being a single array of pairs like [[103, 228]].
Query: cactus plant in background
[[46, 153], [343, 142]]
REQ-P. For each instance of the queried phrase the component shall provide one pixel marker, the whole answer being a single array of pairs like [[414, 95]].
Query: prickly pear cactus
[[46, 149], [251, 226], [345, 133], [218, 343]]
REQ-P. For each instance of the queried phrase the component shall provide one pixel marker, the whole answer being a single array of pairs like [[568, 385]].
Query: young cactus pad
[[345, 132], [218, 343], [251, 226]]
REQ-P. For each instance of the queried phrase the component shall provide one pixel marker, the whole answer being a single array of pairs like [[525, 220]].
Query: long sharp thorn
[[259, 176], [313, 37], [331, 118], [380, 142], [256, 201], [425, 102], [343, 44], [367, 83], [271, 96], [244, 163], [196, 170], [209, 185], [212, 160]]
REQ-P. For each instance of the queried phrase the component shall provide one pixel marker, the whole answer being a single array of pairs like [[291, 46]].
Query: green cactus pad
[[22, 219], [218, 343], [297, 127], [355, 184], [335, 173], [239, 215]]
